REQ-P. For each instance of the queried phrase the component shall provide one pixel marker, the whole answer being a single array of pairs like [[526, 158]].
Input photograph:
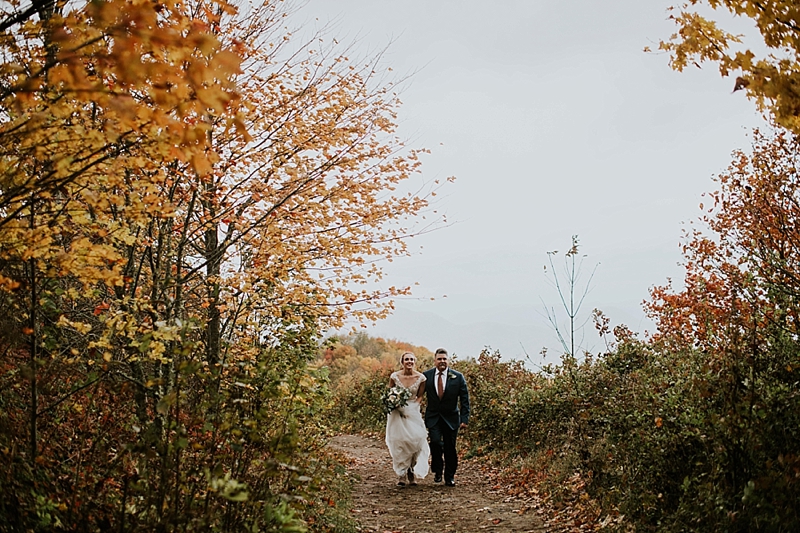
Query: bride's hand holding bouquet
[[395, 397]]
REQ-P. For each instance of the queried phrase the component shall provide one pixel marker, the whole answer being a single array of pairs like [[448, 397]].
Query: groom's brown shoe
[[437, 478]]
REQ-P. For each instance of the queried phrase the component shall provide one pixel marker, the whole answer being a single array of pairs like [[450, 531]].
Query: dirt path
[[381, 506]]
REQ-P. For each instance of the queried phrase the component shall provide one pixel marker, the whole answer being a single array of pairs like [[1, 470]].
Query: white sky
[[555, 123]]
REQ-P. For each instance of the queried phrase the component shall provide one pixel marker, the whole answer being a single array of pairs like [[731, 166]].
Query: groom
[[445, 389]]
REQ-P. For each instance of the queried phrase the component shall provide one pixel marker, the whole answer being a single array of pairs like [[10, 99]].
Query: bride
[[406, 435]]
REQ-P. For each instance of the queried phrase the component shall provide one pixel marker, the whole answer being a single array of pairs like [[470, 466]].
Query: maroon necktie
[[440, 386]]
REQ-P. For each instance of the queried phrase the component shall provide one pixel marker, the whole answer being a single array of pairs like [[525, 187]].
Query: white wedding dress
[[406, 435]]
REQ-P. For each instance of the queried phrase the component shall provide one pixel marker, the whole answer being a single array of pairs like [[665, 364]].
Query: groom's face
[[441, 362]]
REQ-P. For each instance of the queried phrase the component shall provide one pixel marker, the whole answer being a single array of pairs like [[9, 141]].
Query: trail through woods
[[381, 506]]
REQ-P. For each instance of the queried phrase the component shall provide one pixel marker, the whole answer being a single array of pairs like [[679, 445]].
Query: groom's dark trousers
[[443, 444]]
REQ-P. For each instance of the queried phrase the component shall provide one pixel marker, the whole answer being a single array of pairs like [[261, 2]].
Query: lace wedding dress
[[406, 435]]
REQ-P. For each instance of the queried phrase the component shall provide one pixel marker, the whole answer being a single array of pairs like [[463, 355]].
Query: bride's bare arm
[[421, 390]]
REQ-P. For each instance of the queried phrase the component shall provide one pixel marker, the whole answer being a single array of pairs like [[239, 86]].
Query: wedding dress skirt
[[407, 440]]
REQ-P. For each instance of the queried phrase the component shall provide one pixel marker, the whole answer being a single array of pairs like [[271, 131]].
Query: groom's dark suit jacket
[[455, 391]]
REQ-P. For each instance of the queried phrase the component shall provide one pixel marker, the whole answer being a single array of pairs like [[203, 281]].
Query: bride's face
[[409, 360]]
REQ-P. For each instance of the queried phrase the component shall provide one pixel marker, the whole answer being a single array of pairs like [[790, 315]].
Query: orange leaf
[[201, 165]]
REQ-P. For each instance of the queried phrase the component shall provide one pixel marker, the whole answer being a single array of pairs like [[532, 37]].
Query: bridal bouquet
[[395, 397]]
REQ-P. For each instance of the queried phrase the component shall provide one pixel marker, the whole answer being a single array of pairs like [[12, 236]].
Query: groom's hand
[[463, 426]]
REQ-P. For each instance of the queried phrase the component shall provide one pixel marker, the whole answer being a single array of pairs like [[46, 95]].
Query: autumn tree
[[739, 311], [766, 63], [739, 306], [95, 101], [189, 196]]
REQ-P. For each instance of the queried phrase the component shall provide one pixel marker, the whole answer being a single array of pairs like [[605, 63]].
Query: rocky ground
[[473, 505]]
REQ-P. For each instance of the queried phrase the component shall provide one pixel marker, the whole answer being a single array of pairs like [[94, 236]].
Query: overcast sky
[[555, 123]]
